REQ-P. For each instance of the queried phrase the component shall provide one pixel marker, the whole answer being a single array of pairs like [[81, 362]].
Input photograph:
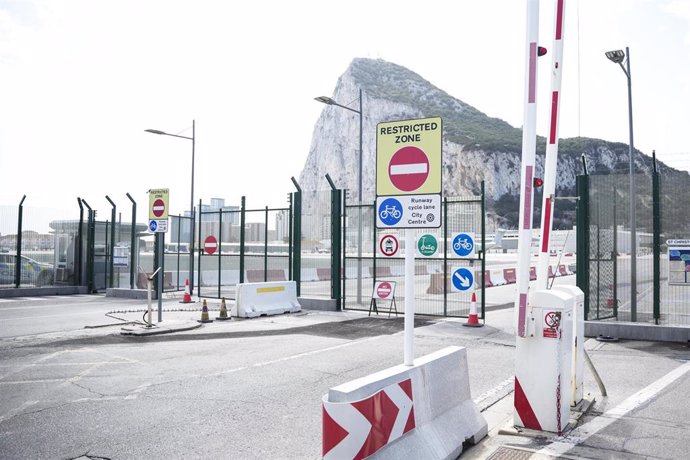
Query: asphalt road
[[252, 389]]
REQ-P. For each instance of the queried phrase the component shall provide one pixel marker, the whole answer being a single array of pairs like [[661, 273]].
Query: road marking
[[581, 433], [16, 411], [301, 355]]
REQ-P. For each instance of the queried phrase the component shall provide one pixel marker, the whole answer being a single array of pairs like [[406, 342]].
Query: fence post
[[297, 236], [483, 275], [111, 261], [266, 244], [656, 251], [336, 196], [18, 264], [582, 244], [343, 290], [79, 247], [445, 256], [90, 245], [132, 244], [220, 248], [191, 250], [290, 251], [242, 223]]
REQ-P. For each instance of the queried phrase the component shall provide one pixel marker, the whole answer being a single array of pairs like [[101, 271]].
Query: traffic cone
[[186, 298], [223, 311], [204, 314], [472, 320]]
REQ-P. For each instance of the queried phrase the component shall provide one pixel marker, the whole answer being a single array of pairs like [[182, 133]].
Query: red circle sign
[[384, 290], [210, 244], [408, 168], [389, 245], [158, 207]]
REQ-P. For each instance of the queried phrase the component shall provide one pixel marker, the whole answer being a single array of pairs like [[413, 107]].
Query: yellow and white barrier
[[270, 298]]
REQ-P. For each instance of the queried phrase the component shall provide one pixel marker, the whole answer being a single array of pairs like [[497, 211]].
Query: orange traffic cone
[[187, 298], [472, 320], [223, 311], [204, 314]]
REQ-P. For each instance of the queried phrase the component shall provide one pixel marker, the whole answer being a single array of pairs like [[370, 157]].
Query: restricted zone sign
[[158, 203], [408, 157], [210, 245]]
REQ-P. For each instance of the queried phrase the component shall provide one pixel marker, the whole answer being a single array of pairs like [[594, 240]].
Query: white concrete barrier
[[497, 277], [309, 274], [419, 411], [270, 298]]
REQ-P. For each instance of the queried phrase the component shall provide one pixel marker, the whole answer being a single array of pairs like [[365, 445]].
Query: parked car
[[33, 272]]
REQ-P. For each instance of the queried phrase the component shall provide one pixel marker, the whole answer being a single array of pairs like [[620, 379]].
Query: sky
[[81, 81]]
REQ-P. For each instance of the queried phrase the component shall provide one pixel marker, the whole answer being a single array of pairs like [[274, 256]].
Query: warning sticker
[[552, 322]]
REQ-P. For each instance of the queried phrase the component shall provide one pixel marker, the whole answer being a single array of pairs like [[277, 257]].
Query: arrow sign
[[462, 279], [360, 428]]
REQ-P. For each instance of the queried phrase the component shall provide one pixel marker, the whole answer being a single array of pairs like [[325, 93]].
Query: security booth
[[543, 363]]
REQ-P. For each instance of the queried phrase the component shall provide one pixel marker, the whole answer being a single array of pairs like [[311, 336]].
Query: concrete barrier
[[257, 276], [564, 270], [487, 278], [435, 284], [324, 274], [497, 277], [381, 271], [261, 299], [509, 275], [309, 274], [420, 411]]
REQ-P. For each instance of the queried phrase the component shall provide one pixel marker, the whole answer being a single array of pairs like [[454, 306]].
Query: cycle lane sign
[[408, 211], [463, 244]]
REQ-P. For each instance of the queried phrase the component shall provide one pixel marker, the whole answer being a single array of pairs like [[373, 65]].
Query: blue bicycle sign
[[463, 244], [390, 211]]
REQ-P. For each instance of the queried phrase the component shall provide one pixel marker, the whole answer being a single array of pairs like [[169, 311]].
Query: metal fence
[[365, 264], [604, 248]]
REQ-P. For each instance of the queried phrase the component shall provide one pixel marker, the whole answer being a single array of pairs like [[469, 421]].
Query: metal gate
[[364, 263], [597, 259]]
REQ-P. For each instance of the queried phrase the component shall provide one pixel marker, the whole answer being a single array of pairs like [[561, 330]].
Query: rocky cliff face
[[476, 147]]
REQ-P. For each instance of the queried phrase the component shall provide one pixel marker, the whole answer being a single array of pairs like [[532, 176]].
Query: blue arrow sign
[[463, 279], [153, 225]]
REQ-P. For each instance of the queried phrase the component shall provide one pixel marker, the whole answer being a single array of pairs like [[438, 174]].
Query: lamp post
[[191, 201], [329, 101], [617, 57]]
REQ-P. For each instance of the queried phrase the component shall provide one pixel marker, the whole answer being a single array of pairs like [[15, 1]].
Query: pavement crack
[[88, 389]]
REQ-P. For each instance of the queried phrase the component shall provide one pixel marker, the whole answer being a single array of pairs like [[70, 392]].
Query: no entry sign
[[384, 290], [408, 157], [158, 207], [408, 168], [210, 244]]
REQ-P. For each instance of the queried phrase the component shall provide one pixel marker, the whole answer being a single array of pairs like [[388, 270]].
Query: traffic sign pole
[[408, 357]]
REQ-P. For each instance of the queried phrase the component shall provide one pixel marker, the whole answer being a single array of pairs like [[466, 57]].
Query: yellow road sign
[[159, 200], [409, 157]]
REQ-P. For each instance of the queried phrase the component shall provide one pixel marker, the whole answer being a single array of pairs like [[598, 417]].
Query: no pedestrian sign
[[408, 157]]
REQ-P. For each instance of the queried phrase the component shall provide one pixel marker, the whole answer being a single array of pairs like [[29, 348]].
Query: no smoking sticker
[[552, 322]]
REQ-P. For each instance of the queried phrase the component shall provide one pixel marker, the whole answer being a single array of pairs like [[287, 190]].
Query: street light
[[617, 57], [191, 201], [329, 101]]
